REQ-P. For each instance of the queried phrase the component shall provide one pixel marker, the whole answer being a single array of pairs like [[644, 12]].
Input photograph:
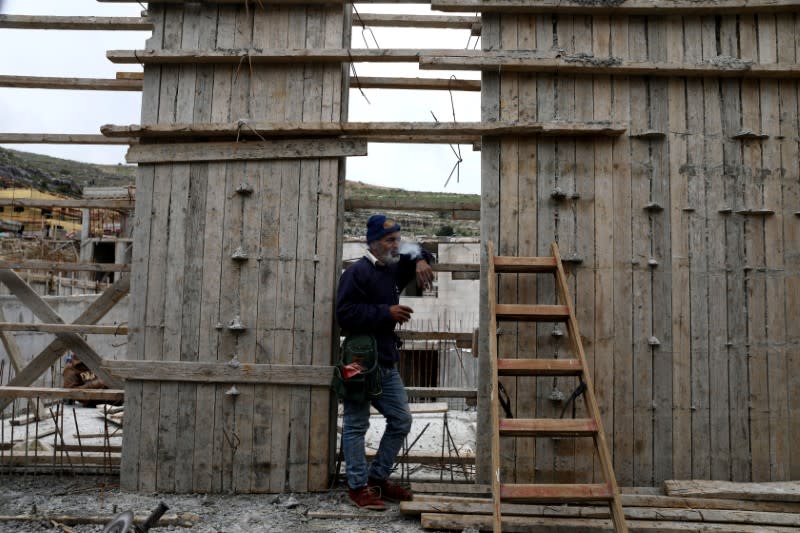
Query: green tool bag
[[356, 376]]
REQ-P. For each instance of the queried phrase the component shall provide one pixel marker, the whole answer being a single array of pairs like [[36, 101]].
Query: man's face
[[387, 249]]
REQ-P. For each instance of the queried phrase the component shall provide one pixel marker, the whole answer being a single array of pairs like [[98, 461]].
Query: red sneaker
[[391, 492], [367, 497]]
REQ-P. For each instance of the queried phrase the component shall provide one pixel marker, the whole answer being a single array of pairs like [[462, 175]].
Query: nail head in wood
[[653, 341], [236, 324], [558, 194], [245, 189], [653, 207], [233, 391], [239, 255], [652, 262]]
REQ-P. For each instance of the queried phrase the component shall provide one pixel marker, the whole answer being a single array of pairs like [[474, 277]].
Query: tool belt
[[356, 376]]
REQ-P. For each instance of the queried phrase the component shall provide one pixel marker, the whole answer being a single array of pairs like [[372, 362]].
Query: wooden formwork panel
[[188, 287], [683, 235]]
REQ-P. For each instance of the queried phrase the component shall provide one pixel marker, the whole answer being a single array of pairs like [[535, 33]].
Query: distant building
[[59, 222]]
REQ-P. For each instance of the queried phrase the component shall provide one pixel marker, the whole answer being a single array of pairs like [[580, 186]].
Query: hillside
[[25, 169]]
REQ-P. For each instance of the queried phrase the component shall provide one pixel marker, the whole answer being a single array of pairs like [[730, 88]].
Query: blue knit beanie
[[378, 226]]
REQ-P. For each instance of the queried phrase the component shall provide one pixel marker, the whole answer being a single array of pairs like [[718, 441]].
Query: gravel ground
[[84, 495]]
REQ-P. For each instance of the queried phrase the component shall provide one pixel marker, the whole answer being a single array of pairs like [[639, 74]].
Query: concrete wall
[[68, 308]]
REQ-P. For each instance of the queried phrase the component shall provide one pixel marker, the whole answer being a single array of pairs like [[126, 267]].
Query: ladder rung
[[551, 427], [535, 493], [539, 367], [524, 265], [532, 313]]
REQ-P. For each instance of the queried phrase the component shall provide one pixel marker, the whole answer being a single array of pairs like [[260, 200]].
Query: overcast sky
[[81, 54]]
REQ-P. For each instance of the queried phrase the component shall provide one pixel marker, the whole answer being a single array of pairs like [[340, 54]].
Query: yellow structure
[[41, 220]]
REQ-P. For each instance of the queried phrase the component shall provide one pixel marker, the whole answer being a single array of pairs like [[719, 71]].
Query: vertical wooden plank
[[584, 236], [490, 205], [679, 171], [546, 210], [790, 179], [734, 260], [719, 435], [268, 180], [205, 442], [328, 197], [661, 326], [526, 246], [508, 238], [604, 241], [172, 323], [154, 317], [775, 333], [129, 466], [623, 432], [207, 466], [641, 169], [754, 257]]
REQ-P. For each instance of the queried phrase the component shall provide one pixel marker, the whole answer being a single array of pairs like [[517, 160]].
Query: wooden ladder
[[546, 427]]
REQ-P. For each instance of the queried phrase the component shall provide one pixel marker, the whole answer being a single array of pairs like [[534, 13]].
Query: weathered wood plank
[[601, 291], [626, 7], [69, 203], [623, 398], [75, 84], [641, 176], [738, 410], [231, 151], [525, 61], [776, 491], [39, 22], [280, 55], [32, 264], [719, 442], [427, 84], [292, 128], [546, 213], [60, 138], [110, 395]]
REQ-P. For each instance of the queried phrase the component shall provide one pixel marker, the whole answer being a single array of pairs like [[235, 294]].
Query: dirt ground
[[84, 495]]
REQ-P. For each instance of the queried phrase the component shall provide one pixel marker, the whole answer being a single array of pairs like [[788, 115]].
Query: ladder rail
[[494, 409], [589, 397], [534, 427]]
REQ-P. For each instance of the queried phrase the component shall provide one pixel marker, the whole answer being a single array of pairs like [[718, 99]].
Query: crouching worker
[[76, 375], [367, 302]]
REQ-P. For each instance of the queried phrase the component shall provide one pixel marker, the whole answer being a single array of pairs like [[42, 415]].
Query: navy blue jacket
[[366, 292]]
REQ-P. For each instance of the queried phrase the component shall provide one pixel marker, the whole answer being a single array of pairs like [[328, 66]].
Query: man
[[76, 375], [368, 301]]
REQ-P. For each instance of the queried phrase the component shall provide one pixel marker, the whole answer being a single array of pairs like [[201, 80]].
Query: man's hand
[[424, 274], [400, 313]]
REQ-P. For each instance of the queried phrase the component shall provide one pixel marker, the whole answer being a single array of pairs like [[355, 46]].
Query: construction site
[[617, 348]]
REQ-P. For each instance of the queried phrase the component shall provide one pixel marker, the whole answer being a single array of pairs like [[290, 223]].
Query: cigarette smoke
[[411, 249]]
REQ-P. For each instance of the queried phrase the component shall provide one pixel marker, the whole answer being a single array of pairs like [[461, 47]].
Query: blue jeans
[[393, 405]]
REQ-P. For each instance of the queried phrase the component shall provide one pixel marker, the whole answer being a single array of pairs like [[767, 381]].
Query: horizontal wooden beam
[[62, 266], [580, 64], [441, 392], [624, 7], [58, 138], [370, 82], [422, 84], [412, 204], [433, 335], [418, 21], [222, 151], [34, 22], [367, 130], [279, 56], [111, 395], [76, 203], [309, 375], [83, 84], [64, 328], [430, 459]]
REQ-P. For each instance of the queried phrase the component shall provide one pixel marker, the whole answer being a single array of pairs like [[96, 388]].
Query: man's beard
[[389, 258]]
